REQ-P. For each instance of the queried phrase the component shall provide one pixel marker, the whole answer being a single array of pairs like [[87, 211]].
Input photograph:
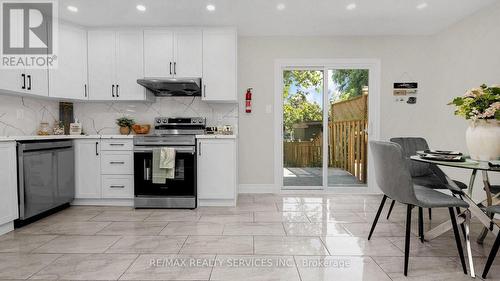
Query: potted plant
[[125, 124], [482, 107]]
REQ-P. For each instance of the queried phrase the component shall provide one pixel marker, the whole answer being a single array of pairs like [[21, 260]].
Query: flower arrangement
[[479, 103]]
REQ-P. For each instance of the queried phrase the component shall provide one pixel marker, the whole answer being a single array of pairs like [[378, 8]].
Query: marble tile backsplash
[[99, 118], [20, 116]]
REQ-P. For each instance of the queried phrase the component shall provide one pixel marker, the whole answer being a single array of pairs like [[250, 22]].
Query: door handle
[[204, 90], [199, 148], [29, 82], [117, 91], [96, 152], [85, 88], [24, 81], [113, 90], [175, 68], [170, 68]]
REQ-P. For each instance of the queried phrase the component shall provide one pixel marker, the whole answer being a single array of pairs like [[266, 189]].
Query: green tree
[[350, 82], [296, 107]]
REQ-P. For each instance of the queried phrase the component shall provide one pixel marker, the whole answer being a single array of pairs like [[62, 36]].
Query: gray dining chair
[[496, 245], [392, 174], [423, 174]]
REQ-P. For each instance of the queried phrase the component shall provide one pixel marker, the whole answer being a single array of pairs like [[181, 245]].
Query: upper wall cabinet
[[173, 53], [219, 65], [69, 79], [115, 62]]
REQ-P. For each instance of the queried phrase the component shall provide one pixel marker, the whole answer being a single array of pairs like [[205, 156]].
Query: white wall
[[444, 65]]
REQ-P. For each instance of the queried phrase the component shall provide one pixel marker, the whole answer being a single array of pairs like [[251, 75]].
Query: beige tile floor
[[266, 237]]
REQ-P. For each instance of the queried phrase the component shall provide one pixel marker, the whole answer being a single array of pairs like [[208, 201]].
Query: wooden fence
[[347, 141]]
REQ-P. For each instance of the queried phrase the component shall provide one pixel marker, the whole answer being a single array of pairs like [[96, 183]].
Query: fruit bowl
[[141, 129]]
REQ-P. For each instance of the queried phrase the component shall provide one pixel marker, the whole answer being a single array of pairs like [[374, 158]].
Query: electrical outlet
[[20, 114]]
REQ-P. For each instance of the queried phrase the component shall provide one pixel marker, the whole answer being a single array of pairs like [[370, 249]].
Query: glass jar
[[44, 129]]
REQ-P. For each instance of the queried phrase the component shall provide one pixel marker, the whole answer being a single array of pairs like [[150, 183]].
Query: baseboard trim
[[257, 188], [216, 202], [103, 202], [6, 227]]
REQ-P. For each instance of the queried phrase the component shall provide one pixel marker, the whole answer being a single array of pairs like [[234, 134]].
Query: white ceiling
[[262, 18]]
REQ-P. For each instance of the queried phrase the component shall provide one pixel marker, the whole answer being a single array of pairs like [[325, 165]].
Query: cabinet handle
[[199, 148], [113, 90], [175, 68], [117, 162], [204, 90], [117, 91], [29, 82], [96, 151], [117, 186], [85, 87], [24, 81], [170, 68], [117, 144]]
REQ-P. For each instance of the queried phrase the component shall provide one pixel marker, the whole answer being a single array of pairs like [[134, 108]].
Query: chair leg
[[407, 238], [466, 225], [377, 216], [457, 239], [421, 224], [390, 209], [492, 256], [430, 214]]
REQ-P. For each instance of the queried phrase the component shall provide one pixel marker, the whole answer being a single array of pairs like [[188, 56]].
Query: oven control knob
[[165, 121], [158, 121]]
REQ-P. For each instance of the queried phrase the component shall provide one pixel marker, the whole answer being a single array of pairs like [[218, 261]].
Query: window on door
[[325, 120]]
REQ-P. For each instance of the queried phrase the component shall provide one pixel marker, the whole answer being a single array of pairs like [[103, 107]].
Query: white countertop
[[62, 137], [216, 136]]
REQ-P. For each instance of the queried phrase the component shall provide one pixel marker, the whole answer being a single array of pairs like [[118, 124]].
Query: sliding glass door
[[325, 122], [302, 128]]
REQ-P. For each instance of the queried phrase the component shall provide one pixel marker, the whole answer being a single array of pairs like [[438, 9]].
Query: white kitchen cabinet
[[117, 163], [115, 62], [118, 186], [87, 169], [188, 53], [8, 183], [173, 53], [101, 62], [12, 80], [219, 65], [158, 53], [69, 79], [217, 170]]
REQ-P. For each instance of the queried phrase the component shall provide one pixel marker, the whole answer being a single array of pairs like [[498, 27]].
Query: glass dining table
[[476, 208]]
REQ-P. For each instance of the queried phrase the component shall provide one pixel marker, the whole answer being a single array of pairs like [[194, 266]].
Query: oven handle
[[178, 149]]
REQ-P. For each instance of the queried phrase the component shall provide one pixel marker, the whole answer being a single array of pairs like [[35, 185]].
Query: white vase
[[483, 140]]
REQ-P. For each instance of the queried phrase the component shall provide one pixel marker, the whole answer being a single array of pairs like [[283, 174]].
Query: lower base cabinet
[[87, 169], [217, 172], [8, 186]]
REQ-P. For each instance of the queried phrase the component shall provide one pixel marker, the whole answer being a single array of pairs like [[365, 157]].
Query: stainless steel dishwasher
[[46, 176]]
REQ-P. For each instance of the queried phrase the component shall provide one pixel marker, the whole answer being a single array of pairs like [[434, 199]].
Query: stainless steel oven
[[179, 192]]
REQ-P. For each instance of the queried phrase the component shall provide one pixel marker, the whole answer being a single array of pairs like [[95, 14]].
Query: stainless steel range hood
[[166, 87]]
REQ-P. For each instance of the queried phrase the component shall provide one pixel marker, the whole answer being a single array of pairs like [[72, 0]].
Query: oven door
[[184, 182]]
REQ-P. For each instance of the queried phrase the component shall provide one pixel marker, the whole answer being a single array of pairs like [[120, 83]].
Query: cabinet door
[[69, 79], [8, 183], [101, 60], [216, 169], [129, 65], [219, 65], [87, 169], [37, 82], [12, 80], [158, 53], [188, 53]]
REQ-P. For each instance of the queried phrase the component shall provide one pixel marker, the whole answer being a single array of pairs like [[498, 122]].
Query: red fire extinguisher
[[248, 101]]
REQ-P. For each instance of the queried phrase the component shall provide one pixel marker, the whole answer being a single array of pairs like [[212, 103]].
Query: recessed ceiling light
[[141, 8], [351, 6], [280, 7], [422, 6], [72, 9], [210, 7]]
